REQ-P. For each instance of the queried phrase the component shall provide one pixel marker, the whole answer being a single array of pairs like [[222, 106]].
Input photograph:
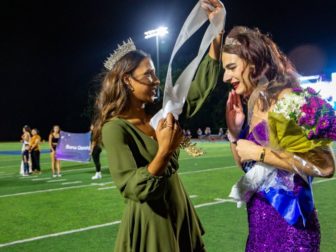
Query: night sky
[[52, 51]]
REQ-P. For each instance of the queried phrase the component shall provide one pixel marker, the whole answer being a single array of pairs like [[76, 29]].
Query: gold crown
[[120, 52]]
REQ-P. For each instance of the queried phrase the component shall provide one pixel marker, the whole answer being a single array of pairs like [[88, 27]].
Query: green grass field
[[74, 213]]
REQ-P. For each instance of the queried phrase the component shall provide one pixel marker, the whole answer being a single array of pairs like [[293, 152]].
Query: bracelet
[[262, 155], [231, 138]]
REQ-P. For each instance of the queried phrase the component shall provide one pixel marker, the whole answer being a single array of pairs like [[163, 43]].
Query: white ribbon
[[175, 95]]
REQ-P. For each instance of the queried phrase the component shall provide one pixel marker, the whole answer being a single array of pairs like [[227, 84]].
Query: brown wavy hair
[[272, 71], [113, 97]]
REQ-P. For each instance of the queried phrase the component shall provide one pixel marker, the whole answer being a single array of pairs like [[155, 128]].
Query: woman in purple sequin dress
[[260, 74]]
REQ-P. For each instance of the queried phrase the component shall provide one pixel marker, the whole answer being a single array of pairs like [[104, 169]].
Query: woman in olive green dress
[[143, 162]]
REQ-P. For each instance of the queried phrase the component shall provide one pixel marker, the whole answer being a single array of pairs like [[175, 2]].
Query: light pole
[[159, 32]]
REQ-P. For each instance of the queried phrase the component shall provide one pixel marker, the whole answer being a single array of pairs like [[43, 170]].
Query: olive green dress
[[158, 214]]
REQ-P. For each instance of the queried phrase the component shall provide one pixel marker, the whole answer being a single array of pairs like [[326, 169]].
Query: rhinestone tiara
[[120, 52], [231, 41]]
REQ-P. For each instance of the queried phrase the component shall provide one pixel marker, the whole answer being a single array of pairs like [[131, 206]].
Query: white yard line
[[59, 234], [27, 177], [72, 182], [216, 202], [193, 196], [55, 180], [106, 188], [102, 184], [44, 191], [6, 176], [323, 180], [66, 171], [82, 169], [39, 179]]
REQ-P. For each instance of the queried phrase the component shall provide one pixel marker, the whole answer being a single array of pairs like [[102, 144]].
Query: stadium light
[[157, 33]]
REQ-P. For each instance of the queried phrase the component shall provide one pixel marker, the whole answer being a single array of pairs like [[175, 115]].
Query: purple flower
[[302, 120], [297, 90], [329, 99], [311, 91], [310, 134], [323, 123], [310, 120]]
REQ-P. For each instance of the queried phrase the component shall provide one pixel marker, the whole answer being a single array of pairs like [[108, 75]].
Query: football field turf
[[75, 213]]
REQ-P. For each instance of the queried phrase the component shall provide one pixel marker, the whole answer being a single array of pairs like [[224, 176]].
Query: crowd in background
[[206, 134], [31, 152]]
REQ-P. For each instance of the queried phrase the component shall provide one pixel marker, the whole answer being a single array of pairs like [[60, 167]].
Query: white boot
[[97, 175]]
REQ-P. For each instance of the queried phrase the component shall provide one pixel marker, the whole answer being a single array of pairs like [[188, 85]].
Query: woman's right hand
[[212, 7], [168, 134], [235, 116]]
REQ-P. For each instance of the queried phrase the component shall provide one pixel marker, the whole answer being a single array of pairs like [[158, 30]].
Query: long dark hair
[[272, 71], [113, 97]]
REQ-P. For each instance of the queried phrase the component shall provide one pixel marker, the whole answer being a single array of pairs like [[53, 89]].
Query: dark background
[[52, 51]]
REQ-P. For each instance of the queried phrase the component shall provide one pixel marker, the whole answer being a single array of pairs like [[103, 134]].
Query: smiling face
[[237, 73], [144, 82]]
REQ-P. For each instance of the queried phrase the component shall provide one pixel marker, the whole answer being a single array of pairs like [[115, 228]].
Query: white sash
[[175, 95]]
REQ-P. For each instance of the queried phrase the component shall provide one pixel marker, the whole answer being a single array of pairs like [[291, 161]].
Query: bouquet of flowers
[[302, 121]]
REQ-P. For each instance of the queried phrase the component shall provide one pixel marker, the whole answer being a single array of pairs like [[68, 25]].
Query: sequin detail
[[268, 231]]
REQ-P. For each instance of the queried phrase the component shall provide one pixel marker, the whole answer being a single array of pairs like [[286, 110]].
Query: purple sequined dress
[[269, 231]]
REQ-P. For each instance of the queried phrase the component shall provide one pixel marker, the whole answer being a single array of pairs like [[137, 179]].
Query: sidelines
[[216, 202], [92, 184]]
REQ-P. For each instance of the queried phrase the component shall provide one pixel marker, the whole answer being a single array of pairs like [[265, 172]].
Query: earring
[[130, 88]]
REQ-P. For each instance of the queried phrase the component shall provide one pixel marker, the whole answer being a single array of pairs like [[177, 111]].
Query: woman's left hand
[[212, 7], [248, 150]]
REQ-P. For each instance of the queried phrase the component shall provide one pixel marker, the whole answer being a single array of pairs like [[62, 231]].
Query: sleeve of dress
[[134, 182], [203, 84]]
